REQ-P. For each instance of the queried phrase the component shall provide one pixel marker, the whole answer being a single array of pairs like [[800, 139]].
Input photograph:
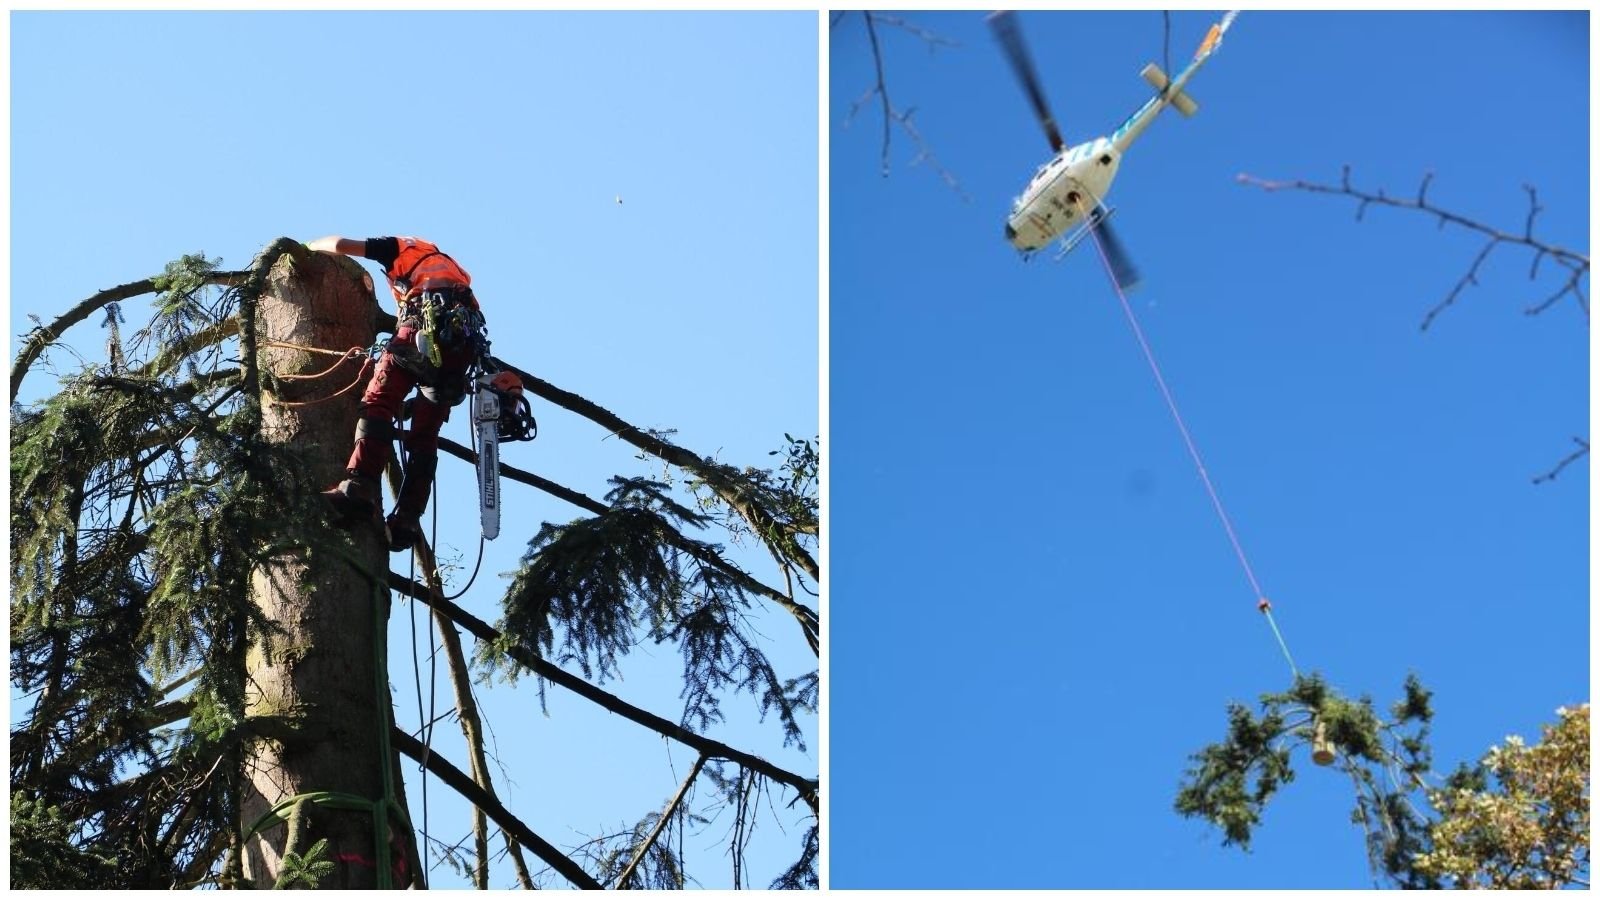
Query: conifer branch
[[507, 470], [43, 336], [471, 724], [492, 807], [206, 337], [807, 787], [810, 623], [661, 824], [730, 491], [170, 593]]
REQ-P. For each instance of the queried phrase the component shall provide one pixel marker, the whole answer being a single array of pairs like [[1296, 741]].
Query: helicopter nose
[[1011, 233]]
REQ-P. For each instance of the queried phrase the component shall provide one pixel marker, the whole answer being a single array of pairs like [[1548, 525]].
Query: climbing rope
[[434, 541], [1262, 603], [344, 356], [424, 720], [285, 809]]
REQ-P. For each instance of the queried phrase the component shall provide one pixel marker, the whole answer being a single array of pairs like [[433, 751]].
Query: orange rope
[[344, 357]]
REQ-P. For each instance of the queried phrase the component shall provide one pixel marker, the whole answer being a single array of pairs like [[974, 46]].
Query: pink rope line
[[1262, 603]]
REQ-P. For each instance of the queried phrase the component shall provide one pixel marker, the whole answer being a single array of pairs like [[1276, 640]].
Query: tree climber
[[436, 342]]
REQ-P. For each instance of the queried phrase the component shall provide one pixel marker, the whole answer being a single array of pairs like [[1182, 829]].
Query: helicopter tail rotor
[[1213, 38], [1007, 32]]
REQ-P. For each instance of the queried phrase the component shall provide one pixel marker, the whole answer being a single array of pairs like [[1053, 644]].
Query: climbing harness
[[444, 317], [500, 409], [428, 335], [1263, 605]]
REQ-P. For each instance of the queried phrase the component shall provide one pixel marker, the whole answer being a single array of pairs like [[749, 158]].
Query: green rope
[[1281, 644], [389, 803], [381, 809]]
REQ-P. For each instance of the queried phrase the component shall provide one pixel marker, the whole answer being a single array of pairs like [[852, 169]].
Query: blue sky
[[1036, 616], [506, 138]]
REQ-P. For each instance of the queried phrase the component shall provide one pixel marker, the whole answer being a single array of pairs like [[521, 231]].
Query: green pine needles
[[1387, 761], [144, 506], [1518, 818], [589, 589], [138, 512]]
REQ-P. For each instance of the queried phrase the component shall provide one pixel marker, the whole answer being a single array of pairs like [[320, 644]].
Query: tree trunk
[[321, 697]]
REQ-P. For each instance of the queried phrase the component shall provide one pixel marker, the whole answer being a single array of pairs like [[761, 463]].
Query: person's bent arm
[[335, 244]]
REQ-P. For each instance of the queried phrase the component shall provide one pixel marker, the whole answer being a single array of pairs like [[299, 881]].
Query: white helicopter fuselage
[[1062, 193], [1070, 186]]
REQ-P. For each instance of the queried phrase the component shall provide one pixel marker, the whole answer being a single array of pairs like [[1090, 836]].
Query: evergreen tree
[[204, 655], [1518, 818]]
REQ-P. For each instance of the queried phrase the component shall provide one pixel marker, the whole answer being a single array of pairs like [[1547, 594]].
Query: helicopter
[[1067, 191]]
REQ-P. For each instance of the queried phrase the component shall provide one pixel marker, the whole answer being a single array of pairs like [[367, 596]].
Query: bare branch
[[925, 154], [882, 89], [1577, 264], [934, 41], [468, 715], [891, 115], [661, 823], [576, 498], [1574, 456], [1470, 278], [492, 807], [1533, 210], [483, 631]]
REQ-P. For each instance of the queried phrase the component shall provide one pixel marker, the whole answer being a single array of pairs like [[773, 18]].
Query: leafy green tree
[[1518, 818], [204, 656]]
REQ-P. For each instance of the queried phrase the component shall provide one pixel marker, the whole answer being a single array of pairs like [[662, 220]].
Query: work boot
[[354, 499], [405, 529]]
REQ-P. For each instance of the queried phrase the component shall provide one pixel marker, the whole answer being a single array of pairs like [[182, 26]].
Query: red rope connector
[[1264, 605]]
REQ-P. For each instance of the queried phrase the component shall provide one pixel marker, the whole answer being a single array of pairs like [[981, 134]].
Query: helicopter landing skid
[[1070, 242]]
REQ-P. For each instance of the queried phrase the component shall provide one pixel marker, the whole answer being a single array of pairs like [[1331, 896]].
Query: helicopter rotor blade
[[1007, 32], [1121, 264]]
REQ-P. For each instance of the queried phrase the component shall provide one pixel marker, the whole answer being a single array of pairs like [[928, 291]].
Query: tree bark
[[324, 685]]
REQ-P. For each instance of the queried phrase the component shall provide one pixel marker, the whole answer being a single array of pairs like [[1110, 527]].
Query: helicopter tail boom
[[1180, 101], [1170, 92]]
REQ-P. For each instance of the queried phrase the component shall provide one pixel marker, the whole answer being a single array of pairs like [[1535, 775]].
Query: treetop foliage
[[143, 500], [1518, 818]]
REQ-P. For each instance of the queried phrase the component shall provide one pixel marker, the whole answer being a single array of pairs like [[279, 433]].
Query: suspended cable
[[1262, 604]]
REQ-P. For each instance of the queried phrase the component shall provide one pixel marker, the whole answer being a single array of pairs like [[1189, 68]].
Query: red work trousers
[[399, 370]]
